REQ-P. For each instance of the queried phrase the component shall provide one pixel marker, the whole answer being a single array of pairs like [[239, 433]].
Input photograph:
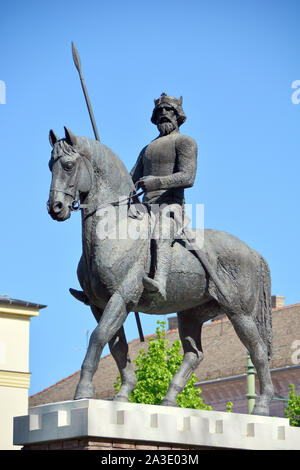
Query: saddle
[[137, 210]]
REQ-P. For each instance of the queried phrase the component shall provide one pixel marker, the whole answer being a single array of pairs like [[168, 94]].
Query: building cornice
[[20, 311], [14, 379]]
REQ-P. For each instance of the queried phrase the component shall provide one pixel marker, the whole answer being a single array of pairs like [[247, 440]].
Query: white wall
[[14, 368]]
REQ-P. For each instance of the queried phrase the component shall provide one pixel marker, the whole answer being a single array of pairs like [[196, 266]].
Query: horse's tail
[[263, 317]]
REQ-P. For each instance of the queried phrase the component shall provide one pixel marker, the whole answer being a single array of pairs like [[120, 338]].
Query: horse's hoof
[[169, 403], [84, 391], [261, 410], [121, 398], [79, 295]]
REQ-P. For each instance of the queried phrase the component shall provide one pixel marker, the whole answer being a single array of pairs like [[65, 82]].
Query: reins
[[76, 205]]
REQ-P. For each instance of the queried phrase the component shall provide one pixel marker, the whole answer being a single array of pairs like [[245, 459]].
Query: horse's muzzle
[[58, 211]]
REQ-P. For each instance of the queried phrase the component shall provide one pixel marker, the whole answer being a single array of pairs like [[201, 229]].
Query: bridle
[[75, 205]]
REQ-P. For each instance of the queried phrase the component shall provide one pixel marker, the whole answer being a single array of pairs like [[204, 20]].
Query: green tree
[[229, 406], [155, 370], [292, 410]]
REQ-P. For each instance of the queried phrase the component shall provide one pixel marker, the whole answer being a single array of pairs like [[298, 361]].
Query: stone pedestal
[[101, 424]]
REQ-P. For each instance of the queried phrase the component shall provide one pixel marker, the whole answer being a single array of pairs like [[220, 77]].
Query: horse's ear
[[70, 137], [52, 138]]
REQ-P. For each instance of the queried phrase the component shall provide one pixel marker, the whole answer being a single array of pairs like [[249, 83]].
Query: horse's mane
[[107, 163]]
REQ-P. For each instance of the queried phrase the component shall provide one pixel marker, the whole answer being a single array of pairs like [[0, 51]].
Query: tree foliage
[[229, 406], [155, 370], [292, 410]]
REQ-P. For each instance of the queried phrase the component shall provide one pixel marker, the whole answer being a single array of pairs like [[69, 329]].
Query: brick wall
[[107, 444]]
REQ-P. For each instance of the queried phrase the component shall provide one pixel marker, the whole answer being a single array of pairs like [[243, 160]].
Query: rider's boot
[[158, 284]]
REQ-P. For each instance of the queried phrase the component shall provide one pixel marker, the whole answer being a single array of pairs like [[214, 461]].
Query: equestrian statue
[[132, 260]]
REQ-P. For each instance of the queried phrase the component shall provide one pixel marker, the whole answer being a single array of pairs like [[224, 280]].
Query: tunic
[[173, 159]]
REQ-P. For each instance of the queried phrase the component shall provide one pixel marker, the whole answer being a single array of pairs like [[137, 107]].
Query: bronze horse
[[111, 270]]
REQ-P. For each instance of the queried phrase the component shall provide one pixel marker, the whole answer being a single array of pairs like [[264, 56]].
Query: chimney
[[173, 323], [278, 301]]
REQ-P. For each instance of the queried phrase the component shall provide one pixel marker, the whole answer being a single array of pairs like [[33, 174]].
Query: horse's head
[[71, 175]]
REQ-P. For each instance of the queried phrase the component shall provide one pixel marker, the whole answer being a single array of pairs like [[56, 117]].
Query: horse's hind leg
[[247, 331], [189, 327], [119, 350]]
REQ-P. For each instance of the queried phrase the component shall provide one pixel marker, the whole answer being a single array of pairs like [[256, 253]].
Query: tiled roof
[[224, 356], [20, 303]]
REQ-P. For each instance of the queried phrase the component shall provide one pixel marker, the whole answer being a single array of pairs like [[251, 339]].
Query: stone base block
[[110, 425]]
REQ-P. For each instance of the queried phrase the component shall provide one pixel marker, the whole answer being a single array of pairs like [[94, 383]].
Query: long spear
[[77, 63]]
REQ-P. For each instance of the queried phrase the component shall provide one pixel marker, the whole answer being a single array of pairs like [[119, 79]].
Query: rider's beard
[[166, 128]]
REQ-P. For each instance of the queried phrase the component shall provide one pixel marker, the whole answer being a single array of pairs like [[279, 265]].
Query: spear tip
[[76, 57]]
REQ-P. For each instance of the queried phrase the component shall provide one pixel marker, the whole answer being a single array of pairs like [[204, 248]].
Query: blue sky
[[233, 62]]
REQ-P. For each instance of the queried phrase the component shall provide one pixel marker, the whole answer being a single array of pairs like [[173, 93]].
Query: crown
[[164, 98], [171, 101]]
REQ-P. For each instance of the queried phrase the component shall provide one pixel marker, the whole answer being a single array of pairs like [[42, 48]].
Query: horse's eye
[[68, 166]]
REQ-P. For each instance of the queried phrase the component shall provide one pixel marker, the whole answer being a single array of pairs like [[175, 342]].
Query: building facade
[[15, 318]]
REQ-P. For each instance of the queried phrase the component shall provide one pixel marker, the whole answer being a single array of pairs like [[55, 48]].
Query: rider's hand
[[148, 183]]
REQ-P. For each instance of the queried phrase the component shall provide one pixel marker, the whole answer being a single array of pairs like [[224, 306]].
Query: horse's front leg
[[111, 321]]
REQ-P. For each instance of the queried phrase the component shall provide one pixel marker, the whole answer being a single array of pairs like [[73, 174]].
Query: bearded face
[[166, 119]]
